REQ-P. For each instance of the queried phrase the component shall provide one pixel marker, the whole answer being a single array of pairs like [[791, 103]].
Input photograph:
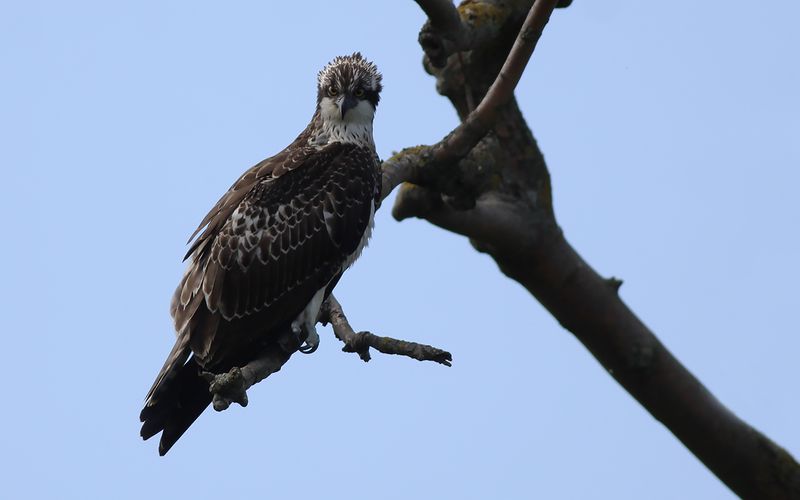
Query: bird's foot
[[227, 388], [307, 337], [311, 343]]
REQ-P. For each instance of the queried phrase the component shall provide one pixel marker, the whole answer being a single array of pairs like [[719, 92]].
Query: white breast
[[307, 319]]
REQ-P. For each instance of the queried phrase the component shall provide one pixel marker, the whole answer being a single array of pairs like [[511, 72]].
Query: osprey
[[272, 249]]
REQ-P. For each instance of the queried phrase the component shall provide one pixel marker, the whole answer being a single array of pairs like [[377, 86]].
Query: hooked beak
[[348, 103]]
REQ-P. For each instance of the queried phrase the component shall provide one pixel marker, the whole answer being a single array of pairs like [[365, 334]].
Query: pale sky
[[671, 132]]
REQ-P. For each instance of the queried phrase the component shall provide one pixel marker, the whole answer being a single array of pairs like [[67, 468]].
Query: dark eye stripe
[[372, 96]]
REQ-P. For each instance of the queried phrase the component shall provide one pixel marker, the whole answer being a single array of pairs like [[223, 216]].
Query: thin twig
[[360, 342]]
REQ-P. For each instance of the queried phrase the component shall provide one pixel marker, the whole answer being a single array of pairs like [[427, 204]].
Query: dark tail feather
[[180, 398]]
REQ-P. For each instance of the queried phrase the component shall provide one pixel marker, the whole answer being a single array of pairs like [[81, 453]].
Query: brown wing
[[275, 166], [286, 238]]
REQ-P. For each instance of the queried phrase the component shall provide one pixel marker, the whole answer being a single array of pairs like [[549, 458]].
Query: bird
[[269, 252]]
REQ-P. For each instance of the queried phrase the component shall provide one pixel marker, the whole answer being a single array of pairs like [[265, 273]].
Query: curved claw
[[311, 342], [307, 348]]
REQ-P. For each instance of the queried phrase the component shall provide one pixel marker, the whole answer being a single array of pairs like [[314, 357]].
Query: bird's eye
[[333, 90], [359, 92]]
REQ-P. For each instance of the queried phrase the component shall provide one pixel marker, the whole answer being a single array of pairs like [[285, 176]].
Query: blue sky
[[672, 138]]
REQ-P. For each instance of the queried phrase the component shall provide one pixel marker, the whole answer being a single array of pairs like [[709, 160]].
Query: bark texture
[[495, 189]]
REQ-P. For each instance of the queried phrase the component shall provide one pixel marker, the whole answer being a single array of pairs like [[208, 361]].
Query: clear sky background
[[671, 131]]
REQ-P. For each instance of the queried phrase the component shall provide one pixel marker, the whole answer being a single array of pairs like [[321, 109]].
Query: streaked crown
[[352, 75]]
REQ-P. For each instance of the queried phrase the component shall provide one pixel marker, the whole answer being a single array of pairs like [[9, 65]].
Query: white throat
[[355, 128]]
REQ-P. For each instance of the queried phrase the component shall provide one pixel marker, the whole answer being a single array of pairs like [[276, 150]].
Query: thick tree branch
[[512, 220], [360, 342], [587, 305]]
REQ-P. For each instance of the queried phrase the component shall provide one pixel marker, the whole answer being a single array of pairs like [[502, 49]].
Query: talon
[[307, 348], [311, 343]]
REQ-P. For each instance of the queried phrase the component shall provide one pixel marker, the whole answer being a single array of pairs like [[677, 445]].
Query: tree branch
[[587, 305], [232, 386], [405, 166], [443, 17], [464, 137], [444, 33], [422, 164], [512, 220], [360, 342], [450, 30]]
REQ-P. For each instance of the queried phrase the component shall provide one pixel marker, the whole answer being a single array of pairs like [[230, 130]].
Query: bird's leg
[[304, 325]]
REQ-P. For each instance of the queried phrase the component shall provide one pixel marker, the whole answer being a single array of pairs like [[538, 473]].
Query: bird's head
[[348, 90]]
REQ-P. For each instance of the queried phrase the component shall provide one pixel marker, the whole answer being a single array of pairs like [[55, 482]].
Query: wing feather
[[286, 237]]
